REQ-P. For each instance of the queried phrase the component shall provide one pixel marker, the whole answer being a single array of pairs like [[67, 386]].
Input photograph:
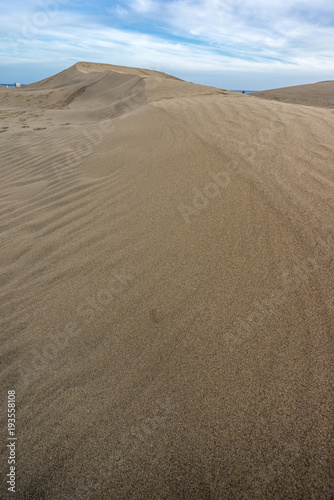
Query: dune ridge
[[167, 288]]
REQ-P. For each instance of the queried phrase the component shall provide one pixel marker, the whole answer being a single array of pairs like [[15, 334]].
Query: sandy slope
[[167, 289], [319, 94]]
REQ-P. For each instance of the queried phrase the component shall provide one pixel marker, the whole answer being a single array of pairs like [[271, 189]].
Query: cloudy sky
[[233, 44]]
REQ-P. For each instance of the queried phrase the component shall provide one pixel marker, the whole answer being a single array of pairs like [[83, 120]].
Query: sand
[[319, 94], [167, 289]]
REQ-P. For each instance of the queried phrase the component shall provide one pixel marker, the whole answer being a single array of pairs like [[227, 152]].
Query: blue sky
[[233, 44]]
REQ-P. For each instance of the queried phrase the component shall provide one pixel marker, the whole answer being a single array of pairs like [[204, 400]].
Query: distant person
[[243, 91]]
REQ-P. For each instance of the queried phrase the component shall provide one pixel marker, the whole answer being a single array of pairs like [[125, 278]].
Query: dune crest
[[85, 67]]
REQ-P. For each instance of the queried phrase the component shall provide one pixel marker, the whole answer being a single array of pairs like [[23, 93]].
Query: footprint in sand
[[155, 316]]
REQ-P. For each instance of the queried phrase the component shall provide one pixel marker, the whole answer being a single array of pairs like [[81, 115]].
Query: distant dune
[[167, 288], [316, 94]]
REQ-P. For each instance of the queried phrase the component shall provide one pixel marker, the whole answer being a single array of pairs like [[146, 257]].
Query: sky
[[231, 44]]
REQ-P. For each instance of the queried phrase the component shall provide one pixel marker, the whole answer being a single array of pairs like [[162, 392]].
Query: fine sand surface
[[319, 94], [167, 289]]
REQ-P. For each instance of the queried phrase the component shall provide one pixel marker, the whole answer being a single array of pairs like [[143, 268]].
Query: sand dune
[[167, 289], [319, 94]]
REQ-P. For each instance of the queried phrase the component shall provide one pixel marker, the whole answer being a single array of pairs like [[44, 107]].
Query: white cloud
[[212, 35], [142, 5]]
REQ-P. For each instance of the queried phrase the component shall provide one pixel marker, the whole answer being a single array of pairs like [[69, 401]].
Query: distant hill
[[319, 94]]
